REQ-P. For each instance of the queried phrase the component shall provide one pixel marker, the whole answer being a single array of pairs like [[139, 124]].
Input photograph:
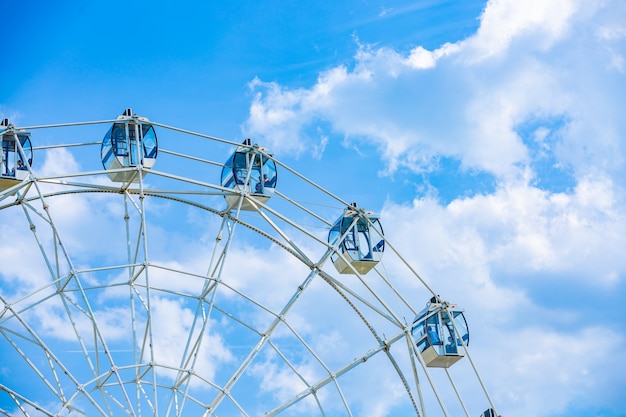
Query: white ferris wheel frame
[[137, 387]]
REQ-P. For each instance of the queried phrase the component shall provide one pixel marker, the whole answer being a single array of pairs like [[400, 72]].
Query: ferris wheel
[[148, 270]]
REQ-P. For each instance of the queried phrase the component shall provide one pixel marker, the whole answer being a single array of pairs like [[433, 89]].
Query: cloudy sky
[[490, 136]]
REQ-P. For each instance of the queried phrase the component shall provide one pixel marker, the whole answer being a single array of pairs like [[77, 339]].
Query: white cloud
[[277, 379], [421, 58], [173, 323], [465, 100], [505, 21], [548, 371], [58, 161], [112, 323]]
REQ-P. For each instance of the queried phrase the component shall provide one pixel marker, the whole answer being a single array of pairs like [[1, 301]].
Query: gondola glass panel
[[250, 172], [488, 413], [14, 159], [362, 241], [130, 143], [440, 331]]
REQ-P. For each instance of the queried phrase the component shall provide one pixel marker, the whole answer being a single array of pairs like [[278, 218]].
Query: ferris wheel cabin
[[16, 155], [130, 143], [360, 241], [441, 334], [490, 412], [250, 172]]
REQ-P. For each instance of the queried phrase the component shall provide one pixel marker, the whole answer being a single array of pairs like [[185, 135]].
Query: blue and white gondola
[[360, 242], [440, 332], [16, 155], [130, 143], [251, 173]]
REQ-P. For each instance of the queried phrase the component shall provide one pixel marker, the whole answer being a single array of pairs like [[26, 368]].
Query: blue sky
[[489, 135]]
